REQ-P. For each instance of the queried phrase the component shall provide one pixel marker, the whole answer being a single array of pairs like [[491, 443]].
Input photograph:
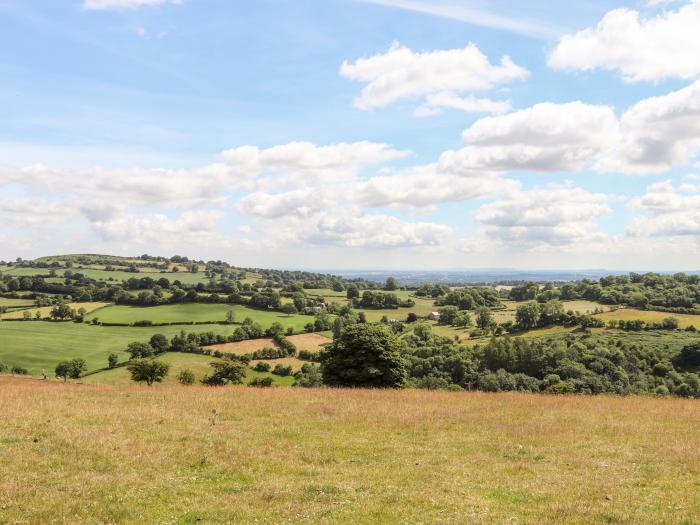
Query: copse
[[226, 373], [364, 355], [72, 369]]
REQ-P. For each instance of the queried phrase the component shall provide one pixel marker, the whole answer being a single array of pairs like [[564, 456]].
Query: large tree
[[364, 355], [148, 371], [72, 369]]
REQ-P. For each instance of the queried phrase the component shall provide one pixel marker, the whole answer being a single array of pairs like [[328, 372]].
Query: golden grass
[[312, 342], [46, 310], [100, 454], [628, 314]]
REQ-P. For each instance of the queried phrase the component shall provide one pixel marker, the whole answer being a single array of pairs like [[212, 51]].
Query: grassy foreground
[[95, 454]]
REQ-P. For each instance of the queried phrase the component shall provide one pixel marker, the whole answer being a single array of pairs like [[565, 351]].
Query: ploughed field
[[132, 454]]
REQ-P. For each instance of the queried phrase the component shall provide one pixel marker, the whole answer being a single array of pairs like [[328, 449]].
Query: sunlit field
[[175, 454]]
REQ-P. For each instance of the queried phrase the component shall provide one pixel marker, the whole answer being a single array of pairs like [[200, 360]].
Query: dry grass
[[312, 342], [100, 454], [628, 314], [46, 310]]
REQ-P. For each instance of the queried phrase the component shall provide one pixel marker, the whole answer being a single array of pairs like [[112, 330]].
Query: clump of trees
[[147, 371], [72, 369]]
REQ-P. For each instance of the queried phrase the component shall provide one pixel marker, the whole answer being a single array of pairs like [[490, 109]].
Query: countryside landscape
[[351, 262]]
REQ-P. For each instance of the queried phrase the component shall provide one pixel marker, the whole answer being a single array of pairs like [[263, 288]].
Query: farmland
[[342, 456], [650, 316], [116, 275], [44, 311], [40, 345], [188, 313]]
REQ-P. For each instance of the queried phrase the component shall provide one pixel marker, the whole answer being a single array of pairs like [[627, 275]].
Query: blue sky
[[347, 133]]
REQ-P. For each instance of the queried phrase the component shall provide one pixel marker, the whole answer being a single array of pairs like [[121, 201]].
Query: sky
[[405, 134]]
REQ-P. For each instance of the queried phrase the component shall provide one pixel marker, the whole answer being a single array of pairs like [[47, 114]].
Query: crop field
[[628, 314], [198, 364], [422, 308], [16, 303], [197, 312], [40, 345], [312, 342], [157, 455], [294, 362], [44, 311]]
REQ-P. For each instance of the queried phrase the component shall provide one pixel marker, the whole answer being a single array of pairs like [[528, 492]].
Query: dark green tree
[[148, 371]]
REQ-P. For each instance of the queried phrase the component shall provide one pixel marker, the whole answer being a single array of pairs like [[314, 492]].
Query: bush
[[19, 370], [227, 372], [282, 370], [262, 367], [148, 371], [262, 382], [186, 377]]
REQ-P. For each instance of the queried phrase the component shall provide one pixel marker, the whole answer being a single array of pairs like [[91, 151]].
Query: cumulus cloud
[[642, 49], [668, 211], [402, 73], [375, 231], [434, 104], [658, 133], [119, 5], [156, 227], [553, 215], [545, 137]]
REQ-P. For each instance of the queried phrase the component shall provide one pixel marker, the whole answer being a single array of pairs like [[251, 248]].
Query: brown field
[[312, 342], [294, 362], [46, 310], [133, 454]]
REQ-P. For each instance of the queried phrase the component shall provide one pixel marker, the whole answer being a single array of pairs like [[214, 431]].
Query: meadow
[[44, 311], [197, 312], [134, 454], [650, 316], [197, 364], [40, 345], [117, 275]]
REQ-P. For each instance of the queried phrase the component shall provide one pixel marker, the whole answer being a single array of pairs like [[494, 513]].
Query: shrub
[[19, 370], [112, 360], [227, 372], [261, 382], [148, 371], [262, 367], [282, 370], [186, 377]]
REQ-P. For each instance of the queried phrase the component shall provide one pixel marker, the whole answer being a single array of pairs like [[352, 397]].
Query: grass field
[[649, 316], [196, 312], [102, 275], [312, 342], [16, 303], [198, 364], [40, 345], [133, 454], [46, 310]]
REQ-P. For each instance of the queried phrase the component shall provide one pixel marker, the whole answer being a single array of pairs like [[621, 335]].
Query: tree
[[289, 309], [365, 355], [411, 317], [61, 311], [186, 377], [391, 284], [527, 315], [159, 343], [112, 360], [484, 318], [139, 350], [353, 292], [230, 317], [72, 369], [148, 371], [226, 372]]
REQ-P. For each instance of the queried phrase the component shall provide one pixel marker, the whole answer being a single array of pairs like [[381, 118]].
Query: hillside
[[79, 453]]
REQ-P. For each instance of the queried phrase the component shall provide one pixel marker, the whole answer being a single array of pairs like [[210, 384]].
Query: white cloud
[[435, 103], [545, 137], [669, 211], [641, 49], [658, 133], [402, 73], [374, 231], [120, 5], [553, 215], [157, 227], [299, 203]]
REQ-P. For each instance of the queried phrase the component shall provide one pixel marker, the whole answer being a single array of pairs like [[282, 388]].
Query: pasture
[[158, 455], [650, 316], [44, 311], [312, 342], [197, 312], [117, 275], [198, 364], [40, 345]]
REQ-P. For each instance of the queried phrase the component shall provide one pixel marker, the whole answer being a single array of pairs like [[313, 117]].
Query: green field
[[102, 275], [198, 364], [196, 312], [40, 345], [16, 303]]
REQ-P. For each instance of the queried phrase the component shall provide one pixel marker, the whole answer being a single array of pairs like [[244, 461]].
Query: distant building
[[503, 290], [434, 316]]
